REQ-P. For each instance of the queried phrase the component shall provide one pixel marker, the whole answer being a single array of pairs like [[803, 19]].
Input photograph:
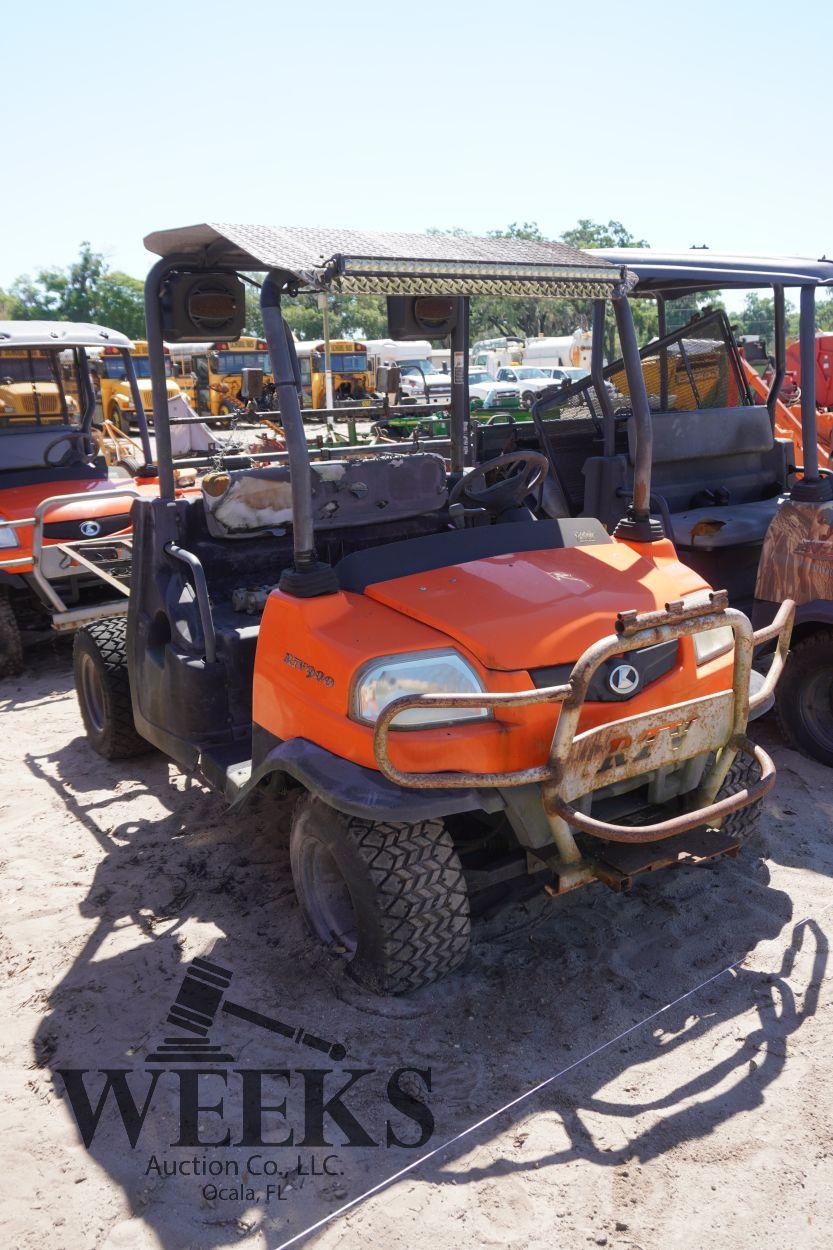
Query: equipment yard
[[706, 1124]]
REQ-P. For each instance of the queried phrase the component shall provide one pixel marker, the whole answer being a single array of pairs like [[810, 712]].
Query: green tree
[[86, 290], [9, 306], [530, 318], [351, 316]]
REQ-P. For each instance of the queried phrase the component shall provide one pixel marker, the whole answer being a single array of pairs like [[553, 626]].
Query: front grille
[[70, 531], [45, 404], [650, 663]]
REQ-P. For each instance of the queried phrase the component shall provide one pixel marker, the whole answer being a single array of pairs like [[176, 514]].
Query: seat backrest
[[731, 449], [707, 434], [243, 502]]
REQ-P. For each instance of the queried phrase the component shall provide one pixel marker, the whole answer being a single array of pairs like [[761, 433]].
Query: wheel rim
[[93, 692], [816, 707], [327, 900]]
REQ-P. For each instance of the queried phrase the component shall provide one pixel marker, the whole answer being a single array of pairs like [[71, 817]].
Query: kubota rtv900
[[469, 699]]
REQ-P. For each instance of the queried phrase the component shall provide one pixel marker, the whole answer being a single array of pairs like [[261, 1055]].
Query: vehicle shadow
[[545, 984], [796, 832]]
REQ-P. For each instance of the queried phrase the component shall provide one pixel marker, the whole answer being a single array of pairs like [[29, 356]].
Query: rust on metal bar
[[579, 764]]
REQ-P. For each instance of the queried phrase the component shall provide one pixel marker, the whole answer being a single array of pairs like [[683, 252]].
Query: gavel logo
[[195, 1008]]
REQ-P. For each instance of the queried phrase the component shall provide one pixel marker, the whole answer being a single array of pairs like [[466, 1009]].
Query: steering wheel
[[501, 483], [66, 458]]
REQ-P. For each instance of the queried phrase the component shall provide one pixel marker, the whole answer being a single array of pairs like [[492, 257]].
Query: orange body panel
[[17, 502], [504, 614], [824, 367], [788, 417]]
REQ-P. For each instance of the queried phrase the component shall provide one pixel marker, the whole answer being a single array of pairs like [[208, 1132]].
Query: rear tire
[[102, 686], [11, 644], [389, 898], [804, 697]]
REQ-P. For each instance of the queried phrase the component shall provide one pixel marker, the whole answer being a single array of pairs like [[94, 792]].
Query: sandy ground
[[709, 1125]]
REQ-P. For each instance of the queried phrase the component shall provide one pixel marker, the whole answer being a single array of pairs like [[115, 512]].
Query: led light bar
[[529, 288], [366, 275]]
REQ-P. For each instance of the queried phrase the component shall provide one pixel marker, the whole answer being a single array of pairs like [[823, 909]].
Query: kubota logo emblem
[[623, 679], [89, 528]]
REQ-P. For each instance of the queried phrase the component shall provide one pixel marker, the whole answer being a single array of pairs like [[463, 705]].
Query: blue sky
[[690, 123]]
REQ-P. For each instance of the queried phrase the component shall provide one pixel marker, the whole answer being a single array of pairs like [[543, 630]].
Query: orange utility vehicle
[[471, 700], [742, 507], [64, 526]]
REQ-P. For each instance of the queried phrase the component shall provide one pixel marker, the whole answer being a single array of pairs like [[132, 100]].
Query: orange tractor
[[470, 701]]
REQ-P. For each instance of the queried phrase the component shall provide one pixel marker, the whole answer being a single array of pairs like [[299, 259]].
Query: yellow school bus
[[35, 388], [116, 397], [352, 378], [226, 362]]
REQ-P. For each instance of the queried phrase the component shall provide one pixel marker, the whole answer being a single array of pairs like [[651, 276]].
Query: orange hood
[[539, 608]]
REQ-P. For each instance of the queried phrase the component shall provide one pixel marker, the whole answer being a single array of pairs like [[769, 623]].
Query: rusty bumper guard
[[54, 561], [578, 764]]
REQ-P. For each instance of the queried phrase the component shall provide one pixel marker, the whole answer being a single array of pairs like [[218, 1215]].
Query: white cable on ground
[[493, 1115]]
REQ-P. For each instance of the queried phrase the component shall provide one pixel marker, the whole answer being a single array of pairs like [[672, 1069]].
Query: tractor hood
[[539, 608]]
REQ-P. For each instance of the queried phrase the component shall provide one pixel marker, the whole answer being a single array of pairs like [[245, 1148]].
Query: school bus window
[[114, 367], [234, 362], [27, 368]]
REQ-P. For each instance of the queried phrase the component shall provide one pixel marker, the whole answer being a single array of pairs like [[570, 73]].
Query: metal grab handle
[[676, 824], [201, 591]]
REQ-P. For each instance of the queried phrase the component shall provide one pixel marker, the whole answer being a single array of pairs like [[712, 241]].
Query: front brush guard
[[580, 763]]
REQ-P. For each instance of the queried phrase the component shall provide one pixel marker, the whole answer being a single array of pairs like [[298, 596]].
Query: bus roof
[[382, 263], [59, 335]]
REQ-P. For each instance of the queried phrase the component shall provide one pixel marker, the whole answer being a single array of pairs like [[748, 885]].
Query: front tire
[[804, 697], [121, 420], [389, 898], [102, 686], [11, 644], [745, 822]]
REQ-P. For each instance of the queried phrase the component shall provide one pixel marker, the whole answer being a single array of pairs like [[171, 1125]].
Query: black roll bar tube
[[637, 525], [82, 365], [141, 416], [662, 330], [811, 487], [780, 332], [807, 355], [156, 354], [287, 380], [597, 374], [458, 430], [309, 577]]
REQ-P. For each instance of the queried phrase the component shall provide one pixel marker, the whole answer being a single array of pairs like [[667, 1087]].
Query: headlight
[[8, 536], [423, 672], [710, 643]]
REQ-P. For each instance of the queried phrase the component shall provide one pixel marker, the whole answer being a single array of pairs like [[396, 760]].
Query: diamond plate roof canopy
[[381, 263]]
